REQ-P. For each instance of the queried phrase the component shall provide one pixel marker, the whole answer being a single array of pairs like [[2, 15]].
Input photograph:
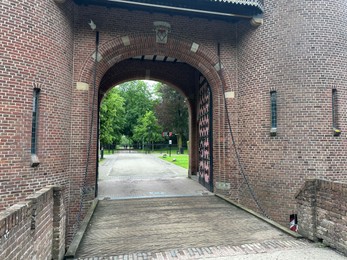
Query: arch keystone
[[162, 30]]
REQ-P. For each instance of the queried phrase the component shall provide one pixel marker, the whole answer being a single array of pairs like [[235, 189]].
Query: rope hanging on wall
[[244, 176]]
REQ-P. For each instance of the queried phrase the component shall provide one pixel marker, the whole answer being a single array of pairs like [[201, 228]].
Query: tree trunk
[[179, 142]]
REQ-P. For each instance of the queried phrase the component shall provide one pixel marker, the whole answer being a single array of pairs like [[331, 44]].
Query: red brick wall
[[36, 51], [300, 53], [112, 69], [322, 212], [27, 228]]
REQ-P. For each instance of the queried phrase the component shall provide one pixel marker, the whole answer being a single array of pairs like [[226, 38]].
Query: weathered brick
[[324, 219], [299, 52]]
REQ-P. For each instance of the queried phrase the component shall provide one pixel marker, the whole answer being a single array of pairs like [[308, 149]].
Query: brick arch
[[114, 51], [129, 70], [204, 60], [164, 72], [185, 84]]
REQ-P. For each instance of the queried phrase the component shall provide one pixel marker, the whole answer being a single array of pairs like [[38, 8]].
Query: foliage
[[172, 111], [138, 100], [111, 118], [147, 128], [126, 141], [127, 114]]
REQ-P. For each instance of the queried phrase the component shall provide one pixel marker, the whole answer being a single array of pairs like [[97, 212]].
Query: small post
[[170, 143]]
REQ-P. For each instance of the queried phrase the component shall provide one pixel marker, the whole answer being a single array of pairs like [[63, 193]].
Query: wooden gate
[[205, 134]]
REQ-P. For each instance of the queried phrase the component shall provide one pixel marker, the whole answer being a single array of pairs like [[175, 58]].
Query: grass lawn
[[181, 159]]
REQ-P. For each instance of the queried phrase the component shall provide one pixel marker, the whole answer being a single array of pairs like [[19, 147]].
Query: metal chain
[[84, 183], [234, 144]]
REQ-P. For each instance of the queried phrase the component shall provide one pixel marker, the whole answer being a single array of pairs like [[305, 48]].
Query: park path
[[161, 214], [139, 175]]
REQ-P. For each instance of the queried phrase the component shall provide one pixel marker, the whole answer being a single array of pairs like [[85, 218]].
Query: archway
[[116, 65], [192, 85]]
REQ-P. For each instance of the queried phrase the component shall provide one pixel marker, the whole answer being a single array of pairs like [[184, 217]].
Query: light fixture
[[92, 25], [257, 20]]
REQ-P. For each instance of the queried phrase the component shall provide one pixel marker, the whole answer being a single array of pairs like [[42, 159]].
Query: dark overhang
[[230, 10]]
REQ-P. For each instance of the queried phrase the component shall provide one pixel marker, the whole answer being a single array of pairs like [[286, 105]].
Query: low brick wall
[[34, 228], [322, 212]]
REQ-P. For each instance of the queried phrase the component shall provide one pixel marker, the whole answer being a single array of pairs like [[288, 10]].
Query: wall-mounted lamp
[[92, 25], [257, 20], [337, 132]]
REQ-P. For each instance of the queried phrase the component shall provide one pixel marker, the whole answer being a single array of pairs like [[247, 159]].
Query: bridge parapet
[[322, 211], [34, 228]]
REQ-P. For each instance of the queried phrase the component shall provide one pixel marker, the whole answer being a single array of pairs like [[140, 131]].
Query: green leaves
[[172, 112], [111, 117], [134, 111], [138, 100], [147, 128]]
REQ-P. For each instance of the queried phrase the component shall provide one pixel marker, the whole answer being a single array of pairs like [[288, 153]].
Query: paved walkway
[[174, 226], [151, 226], [137, 175]]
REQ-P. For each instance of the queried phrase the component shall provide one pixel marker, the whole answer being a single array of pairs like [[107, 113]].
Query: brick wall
[[299, 52], [322, 210], [34, 228], [37, 48], [113, 24], [36, 52], [276, 56]]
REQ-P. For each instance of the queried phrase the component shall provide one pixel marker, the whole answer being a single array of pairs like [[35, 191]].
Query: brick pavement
[[178, 228], [210, 252]]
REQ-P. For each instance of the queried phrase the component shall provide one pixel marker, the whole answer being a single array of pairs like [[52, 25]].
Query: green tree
[[126, 142], [111, 118], [172, 112], [138, 100], [147, 129]]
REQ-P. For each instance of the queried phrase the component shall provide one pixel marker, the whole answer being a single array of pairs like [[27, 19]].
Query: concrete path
[[170, 225], [137, 175]]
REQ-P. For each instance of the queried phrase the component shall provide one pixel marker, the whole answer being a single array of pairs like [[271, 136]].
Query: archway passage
[[140, 56], [192, 85]]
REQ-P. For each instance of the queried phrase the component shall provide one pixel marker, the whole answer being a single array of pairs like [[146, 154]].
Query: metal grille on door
[[205, 135]]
